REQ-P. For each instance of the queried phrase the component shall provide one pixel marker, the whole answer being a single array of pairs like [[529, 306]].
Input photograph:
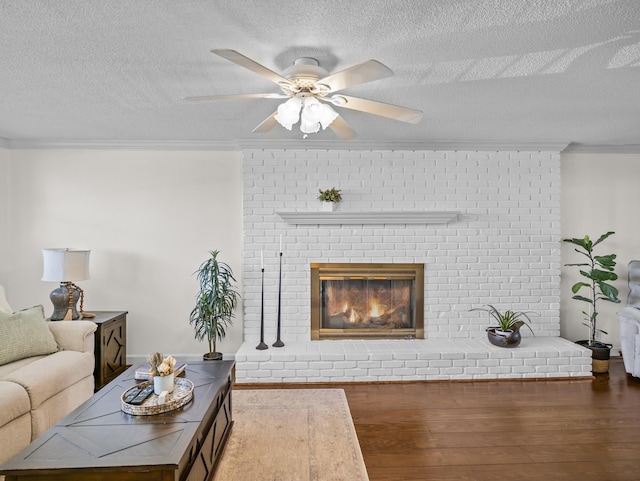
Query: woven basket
[[599, 366]]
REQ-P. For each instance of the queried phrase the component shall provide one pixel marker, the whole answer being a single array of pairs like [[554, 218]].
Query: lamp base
[[61, 305]]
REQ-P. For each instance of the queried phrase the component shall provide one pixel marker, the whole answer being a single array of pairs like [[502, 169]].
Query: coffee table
[[98, 441]]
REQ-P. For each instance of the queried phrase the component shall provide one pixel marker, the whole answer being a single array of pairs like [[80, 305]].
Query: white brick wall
[[503, 249]]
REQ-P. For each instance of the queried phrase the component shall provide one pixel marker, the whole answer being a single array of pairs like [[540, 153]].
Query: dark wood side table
[[110, 346]]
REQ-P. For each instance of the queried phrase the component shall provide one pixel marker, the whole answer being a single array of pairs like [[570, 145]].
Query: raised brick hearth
[[417, 360]]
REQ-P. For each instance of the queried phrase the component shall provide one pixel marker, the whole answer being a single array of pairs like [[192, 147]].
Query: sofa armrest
[[73, 335], [630, 339]]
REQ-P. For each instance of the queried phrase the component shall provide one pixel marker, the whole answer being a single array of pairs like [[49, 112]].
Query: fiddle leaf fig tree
[[597, 272], [215, 302]]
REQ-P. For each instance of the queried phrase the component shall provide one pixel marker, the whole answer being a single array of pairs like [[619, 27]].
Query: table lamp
[[65, 266]]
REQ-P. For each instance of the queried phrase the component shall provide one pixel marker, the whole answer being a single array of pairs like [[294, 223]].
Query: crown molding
[[20, 144], [299, 144], [306, 144], [602, 149]]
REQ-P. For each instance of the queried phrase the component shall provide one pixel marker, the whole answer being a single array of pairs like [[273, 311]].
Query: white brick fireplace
[[485, 224]]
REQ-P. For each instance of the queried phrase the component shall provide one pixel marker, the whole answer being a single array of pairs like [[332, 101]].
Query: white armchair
[[630, 323]]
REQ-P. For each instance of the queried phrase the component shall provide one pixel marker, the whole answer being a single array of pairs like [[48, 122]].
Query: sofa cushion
[[52, 374], [25, 334], [4, 305], [6, 369]]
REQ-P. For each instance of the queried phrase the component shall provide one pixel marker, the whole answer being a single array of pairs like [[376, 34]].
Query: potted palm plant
[[215, 303], [597, 272], [507, 332]]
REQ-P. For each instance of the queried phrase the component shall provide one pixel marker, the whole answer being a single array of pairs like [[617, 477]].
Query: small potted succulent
[[330, 198], [507, 332]]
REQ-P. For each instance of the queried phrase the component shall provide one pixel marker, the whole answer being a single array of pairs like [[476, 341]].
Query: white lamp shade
[[289, 112], [65, 265], [315, 112], [309, 127]]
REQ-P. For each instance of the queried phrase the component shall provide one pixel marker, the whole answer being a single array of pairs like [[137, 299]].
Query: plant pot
[[163, 383], [600, 353], [212, 356], [328, 206], [503, 338]]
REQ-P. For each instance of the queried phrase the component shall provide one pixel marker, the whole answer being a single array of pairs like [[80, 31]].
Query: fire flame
[[352, 317], [375, 309]]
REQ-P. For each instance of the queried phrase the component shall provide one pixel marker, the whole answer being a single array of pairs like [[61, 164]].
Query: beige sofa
[[36, 391]]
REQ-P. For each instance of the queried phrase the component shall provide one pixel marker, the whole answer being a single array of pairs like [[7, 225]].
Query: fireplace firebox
[[367, 301]]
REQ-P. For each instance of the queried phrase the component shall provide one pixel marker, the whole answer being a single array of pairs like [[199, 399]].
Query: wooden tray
[[181, 395]]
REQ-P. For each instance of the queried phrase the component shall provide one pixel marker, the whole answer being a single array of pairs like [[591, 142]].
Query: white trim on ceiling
[[603, 149], [280, 144], [399, 145], [122, 145]]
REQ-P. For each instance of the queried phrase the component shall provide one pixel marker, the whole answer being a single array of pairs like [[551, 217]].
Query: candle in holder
[[279, 342], [261, 345]]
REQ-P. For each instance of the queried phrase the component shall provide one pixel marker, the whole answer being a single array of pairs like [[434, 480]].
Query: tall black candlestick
[[279, 342], [262, 346]]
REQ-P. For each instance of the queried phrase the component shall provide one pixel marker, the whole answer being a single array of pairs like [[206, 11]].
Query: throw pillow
[[25, 334], [4, 305]]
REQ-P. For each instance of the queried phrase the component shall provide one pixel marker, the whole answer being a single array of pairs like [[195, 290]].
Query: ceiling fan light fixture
[[289, 112], [307, 127], [307, 83], [328, 116], [316, 112]]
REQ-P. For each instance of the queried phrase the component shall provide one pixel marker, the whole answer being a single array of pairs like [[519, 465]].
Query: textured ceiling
[[510, 71]]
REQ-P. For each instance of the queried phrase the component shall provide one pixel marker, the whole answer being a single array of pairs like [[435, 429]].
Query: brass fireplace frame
[[327, 271]]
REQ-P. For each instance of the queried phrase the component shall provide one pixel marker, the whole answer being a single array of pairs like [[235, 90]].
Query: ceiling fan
[[310, 91]]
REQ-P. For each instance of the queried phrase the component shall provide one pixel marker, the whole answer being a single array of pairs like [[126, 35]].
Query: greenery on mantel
[[330, 195]]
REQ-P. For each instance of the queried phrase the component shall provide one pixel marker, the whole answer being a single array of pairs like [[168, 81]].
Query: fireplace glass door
[[363, 301]]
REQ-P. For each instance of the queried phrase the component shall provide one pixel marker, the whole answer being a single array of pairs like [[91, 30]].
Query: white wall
[[600, 193], [141, 214], [149, 217], [4, 212], [502, 250]]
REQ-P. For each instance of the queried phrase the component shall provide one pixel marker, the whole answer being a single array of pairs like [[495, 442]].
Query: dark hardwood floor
[[498, 430]]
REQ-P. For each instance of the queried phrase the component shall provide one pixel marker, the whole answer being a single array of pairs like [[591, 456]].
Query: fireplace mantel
[[370, 217]]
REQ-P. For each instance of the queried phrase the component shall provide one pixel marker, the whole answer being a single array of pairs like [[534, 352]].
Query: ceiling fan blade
[[358, 74], [391, 111], [342, 129], [252, 65], [233, 97], [267, 124]]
